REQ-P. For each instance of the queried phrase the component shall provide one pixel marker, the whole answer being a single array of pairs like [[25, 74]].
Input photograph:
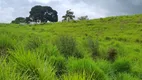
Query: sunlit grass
[[101, 49]]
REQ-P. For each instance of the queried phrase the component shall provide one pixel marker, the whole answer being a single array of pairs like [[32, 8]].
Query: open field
[[100, 49]]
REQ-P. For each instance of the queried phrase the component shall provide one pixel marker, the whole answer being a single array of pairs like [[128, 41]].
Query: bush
[[105, 65], [121, 65], [60, 64], [87, 66], [112, 53], [30, 64], [94, 47], [108, 38], [33, 42], [68, 47], [33, 28], [5, 44], [83, 18]]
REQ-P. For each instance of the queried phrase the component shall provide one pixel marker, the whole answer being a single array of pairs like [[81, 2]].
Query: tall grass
[[126, 76], [30, 64], [8, 72], [68, 47], [26, 54], [33, 42], [76, 76], [85, 65], [60, 65], [6, 43], [122, 65], [47, 50], [94, 47]]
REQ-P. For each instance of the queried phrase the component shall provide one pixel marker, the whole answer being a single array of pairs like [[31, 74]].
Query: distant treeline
[[44, 14]]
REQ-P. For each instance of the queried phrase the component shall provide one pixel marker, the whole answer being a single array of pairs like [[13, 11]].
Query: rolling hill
[[98, 49]]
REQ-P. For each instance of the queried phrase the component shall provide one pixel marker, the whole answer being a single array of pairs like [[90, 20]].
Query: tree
[[43, 14], [68, 16], [19, 20], [83, 18], [28, 20]]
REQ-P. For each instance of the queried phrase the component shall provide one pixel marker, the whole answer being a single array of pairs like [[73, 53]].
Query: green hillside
[[99, 49]]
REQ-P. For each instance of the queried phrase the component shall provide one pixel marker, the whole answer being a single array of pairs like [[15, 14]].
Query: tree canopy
[[68, 16], [19, 20], [43, 14]]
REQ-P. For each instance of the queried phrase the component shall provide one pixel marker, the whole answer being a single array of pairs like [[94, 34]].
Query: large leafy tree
[[27, 20], [19, 20], [69, 16], [43, 14]]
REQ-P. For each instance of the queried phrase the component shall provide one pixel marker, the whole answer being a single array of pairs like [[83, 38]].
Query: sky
[[10, 9]]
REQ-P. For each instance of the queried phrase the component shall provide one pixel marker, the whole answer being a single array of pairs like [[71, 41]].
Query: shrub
[[112, 53], [5, 44], [122, 39], [138, 41], [108, 38], [33, 42], [94, 47], [31, 65], [68, 47], [87, 66], [33, 28], [60, 64], [83, 18], [121, 65], [105, 65]]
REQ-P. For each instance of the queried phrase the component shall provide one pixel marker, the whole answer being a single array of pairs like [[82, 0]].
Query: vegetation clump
[[86, 67], [68, 46], [112, 54], [94, 47], [122, 66], [5, 45]]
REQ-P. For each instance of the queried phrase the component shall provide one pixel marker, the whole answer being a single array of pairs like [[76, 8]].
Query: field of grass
[[100, 49]]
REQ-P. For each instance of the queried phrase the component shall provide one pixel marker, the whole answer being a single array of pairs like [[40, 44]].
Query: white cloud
[[43, 1], [6, 14], [10, 9], [137, 2], [82, 9]]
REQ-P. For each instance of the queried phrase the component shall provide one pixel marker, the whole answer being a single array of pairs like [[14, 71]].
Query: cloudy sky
[[10, 9]]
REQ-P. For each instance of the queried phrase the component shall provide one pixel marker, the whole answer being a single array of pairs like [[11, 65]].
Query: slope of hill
[[100, 49]]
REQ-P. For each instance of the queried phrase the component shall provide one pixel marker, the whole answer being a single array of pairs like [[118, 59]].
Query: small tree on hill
[[68, 16], [83, 18]]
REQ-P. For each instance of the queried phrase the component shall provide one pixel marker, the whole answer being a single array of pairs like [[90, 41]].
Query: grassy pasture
[[99, 49]]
